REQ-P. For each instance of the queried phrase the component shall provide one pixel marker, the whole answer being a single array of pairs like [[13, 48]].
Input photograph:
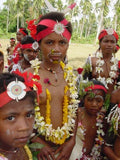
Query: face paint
[[26, 57], [8, 132], [52, 56]]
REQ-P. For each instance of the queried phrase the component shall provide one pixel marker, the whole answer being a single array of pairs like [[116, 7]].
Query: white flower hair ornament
[[17, 90], [33, 45]]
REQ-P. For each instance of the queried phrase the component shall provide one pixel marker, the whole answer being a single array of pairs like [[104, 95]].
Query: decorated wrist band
[[16, 90]]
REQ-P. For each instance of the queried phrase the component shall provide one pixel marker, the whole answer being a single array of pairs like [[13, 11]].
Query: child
[[16, 116], [11, 47], [112, 140], [10, 50], [1, 61], [90, 118], [29, 51]]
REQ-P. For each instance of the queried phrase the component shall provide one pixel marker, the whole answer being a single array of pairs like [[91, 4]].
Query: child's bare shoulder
[[115, 96], [80, 113]]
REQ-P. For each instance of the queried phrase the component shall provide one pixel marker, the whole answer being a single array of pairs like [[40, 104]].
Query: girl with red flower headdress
[[103, 66]]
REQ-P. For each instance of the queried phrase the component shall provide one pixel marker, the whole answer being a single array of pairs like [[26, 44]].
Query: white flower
[[35, 45], [59, 28], [35, 63], [110, 31], [99, 69], [112, 74], [109, 80], [100, 62], [114, 67], [16, 90]]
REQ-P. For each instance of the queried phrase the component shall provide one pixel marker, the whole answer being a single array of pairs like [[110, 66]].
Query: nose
[[57, 48], [95, 104], [23, 125]]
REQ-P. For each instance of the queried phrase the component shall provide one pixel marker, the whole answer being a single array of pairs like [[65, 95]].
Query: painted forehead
[[109, 37], [95, 92]]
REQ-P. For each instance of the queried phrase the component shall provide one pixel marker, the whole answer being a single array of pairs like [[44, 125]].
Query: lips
[[22, 139]]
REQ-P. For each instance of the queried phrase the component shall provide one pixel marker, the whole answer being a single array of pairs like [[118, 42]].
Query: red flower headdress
[[16, 90], [30, 80]]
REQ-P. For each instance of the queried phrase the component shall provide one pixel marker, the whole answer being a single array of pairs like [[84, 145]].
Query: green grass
[[77, 53]]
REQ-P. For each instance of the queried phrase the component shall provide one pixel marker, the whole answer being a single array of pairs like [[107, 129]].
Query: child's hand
[[46, 153], [65, 150]]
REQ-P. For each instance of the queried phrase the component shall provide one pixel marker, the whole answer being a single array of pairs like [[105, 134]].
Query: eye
[[63, 42], [89, 99], [11, 118], [30, 115], [49, 42]]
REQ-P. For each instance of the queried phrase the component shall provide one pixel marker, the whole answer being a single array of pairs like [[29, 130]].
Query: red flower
[[118, 64], [119, 105], [32, 28], [79, 70], [16, 59]]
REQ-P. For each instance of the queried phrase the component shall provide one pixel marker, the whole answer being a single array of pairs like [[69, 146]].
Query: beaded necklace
[[44, 126], [113, 69], [27, 150]]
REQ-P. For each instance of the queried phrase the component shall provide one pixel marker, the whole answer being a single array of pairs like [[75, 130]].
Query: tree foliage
[[87, 18]]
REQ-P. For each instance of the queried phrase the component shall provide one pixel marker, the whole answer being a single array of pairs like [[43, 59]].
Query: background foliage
[[87, 18]]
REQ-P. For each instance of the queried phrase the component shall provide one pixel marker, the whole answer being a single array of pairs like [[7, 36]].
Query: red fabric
[[4, 97], [22, 31], [50, 24], [18, 45], [94, 87], [103, 33], [24, 46]]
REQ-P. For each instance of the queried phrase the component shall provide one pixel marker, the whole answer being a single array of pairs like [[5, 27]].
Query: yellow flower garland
[[44, 127], [27, 150]]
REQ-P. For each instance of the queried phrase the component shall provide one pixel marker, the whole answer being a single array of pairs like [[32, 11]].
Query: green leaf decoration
[[36, 146]]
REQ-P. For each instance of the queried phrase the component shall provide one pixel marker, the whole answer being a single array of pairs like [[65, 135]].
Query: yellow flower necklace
[[27, 150], [44, 126]]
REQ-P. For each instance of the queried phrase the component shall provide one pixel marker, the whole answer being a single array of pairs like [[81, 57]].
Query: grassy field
[[77, 53]]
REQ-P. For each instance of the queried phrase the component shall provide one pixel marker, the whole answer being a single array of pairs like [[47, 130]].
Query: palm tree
[[102, 8]]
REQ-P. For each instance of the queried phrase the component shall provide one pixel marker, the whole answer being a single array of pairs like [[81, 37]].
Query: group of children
[[98, 131], [17, 119]]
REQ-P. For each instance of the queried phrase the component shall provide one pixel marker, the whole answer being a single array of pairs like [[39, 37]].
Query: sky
[[1, 3]]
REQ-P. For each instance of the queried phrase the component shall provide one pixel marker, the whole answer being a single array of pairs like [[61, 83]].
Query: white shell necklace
[[113, 69]]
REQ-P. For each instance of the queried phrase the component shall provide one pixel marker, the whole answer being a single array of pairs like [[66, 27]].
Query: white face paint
[[8, 132], [26, 57], [53, 54]]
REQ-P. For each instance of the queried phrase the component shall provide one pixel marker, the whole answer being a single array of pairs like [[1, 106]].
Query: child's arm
[[66, 148], [110, 153], [47, 152]]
